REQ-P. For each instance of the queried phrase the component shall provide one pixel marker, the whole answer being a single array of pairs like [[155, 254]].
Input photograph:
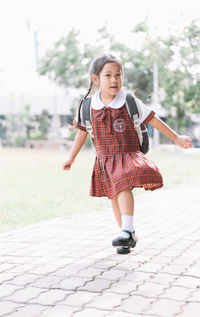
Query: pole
[[156, 133]]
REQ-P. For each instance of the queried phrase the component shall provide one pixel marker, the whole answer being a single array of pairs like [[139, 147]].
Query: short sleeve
[[145, 112], [80, 125]]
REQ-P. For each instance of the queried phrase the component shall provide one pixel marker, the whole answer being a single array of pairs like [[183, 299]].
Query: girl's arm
[[77, 145], [181, 140]]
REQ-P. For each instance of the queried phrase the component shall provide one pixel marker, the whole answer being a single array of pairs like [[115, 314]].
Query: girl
[[119, 165]]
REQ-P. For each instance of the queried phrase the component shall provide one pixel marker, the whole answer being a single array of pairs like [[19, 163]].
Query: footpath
[[68, 268]]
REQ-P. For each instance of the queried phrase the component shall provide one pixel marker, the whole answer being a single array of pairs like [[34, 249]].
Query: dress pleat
[[124, 171]]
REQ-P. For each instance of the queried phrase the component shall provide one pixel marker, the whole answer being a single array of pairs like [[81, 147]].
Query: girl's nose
[[113, 78]]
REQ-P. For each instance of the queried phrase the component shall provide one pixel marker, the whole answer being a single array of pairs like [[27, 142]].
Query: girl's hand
[[183, 141], [67, 164]]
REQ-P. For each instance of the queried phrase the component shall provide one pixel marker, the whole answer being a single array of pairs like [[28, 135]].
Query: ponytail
[[79, 108]]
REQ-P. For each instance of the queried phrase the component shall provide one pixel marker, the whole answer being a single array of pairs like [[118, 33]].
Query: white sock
[[127, 224]]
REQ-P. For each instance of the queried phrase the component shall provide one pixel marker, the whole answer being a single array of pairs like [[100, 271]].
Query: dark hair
[[96, 67]]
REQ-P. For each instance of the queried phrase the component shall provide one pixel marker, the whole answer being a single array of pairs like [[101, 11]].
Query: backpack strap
[[133, 112], [86, 115]]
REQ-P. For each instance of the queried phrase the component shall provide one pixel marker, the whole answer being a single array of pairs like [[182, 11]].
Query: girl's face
[[109, 80]]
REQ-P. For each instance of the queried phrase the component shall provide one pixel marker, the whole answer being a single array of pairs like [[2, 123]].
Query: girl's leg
[[126, 238], [116, 211], [126, 202]]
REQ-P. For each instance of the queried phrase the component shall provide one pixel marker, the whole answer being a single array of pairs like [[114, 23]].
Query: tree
[[182, 80], [44, 123], [178, 59], [67, 63]]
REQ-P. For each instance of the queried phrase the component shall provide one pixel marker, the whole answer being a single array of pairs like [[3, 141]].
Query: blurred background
[[47, 47], [46, 51]]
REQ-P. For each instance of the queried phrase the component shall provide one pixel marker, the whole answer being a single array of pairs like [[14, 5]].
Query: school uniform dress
[[119, 164]]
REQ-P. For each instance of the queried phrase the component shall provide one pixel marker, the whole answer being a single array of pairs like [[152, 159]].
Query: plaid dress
[[119, 164]]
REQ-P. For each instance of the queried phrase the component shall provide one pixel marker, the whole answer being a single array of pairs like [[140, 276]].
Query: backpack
[[133, 112]]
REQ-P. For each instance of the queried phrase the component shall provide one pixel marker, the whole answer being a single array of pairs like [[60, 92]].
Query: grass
[[34, 188]]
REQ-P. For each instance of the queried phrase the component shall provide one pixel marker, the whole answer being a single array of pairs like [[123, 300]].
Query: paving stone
[[188, 281], [90, 272], [25, 279], [150, 267], [79, 298], [165, 260], [97, 285], [134, 305], [61, 262], [68, 271], [58, 311], [162, 278], [19, 260], [104, 264], [150, 290], [138, 276], [25, 294], [101, 254], [8, 289], [195, 296], [128, 266], [23, 268], [113, 275], [107, 301], [173, 269], [88, 278], [165, 308], [91, 312], [5, 267], [181, 260], [190, 310], [28, 311], [50, 297], [194, 271], [176, 293], [73, 283], [7, 307], [83, 263], [45, 269], [151, 252], [49, 281], [139, 257], [121, 314], [169, 253], [123, 287], [5, 277]]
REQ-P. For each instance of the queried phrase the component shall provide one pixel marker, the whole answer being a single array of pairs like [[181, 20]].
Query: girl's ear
[[95, 79]]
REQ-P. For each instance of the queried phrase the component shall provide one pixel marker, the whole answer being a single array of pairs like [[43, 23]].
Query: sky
[[54, 18]]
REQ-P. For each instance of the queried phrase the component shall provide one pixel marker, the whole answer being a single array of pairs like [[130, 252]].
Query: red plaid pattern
[[119, 164]]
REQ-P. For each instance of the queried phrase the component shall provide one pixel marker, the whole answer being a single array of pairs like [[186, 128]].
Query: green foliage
[[20, 125], [88, 141], [66, 64], [16, 139], [24, 126], [38, 135], [2, 129], [72, 135], [177, 56], [44, 123]]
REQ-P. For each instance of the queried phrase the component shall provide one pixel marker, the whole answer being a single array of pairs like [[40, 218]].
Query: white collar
[[116, 103]]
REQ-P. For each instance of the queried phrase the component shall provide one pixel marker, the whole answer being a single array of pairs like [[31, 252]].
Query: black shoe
[[123, 250], [124, 242]]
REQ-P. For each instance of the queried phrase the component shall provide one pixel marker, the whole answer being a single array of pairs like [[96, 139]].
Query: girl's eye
[[107, 75]]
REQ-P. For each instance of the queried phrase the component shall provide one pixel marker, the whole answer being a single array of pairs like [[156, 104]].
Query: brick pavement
[[51, 270]]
